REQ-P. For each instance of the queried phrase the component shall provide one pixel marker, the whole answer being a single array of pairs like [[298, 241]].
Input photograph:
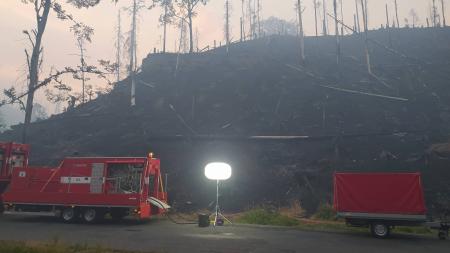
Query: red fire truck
[[81, 187]]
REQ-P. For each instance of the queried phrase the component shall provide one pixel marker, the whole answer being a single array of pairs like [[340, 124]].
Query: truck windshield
[[124, 178], [17, 160]]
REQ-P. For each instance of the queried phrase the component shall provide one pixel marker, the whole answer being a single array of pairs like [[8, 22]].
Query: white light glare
[[218, 171]]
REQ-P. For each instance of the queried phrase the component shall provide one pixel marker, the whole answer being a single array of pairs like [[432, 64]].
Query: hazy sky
[[60, 47]]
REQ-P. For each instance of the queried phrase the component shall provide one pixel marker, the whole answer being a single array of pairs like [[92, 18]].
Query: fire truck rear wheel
[[69, 215], [90, 215]]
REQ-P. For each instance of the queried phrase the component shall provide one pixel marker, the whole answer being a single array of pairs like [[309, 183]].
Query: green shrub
[[265, 217], [325, 212]]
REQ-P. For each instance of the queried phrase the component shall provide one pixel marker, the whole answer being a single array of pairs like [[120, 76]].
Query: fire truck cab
[[85, 187]]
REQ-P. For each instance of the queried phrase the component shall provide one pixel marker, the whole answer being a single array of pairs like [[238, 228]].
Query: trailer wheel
[[380, 230], [69, 215], [90, 215]]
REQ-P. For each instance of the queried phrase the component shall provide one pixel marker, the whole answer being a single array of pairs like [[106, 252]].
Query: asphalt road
[[164, 236]]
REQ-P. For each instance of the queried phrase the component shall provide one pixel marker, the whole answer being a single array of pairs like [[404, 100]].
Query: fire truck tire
[[69, 215], [2, 208], [90, 215]]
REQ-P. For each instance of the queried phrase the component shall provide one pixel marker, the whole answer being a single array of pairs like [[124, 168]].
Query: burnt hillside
[[192, 109]]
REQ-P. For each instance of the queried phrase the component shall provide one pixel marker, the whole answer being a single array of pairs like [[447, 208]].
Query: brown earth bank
[[193, 109]]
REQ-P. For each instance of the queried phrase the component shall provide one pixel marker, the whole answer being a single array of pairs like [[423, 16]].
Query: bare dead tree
[[187, 12], [259, 9], [227, 24], [302, 34], [366, 38], [325, 19], [118, 47], [242, 20], [414, 17], [42, 9], [316, 5], [396, 13], [250, 14], [165, 18], [336, 34], [434, 14], [358, 26], [444, 22], [133, 52], [342, 17], [388, 26]]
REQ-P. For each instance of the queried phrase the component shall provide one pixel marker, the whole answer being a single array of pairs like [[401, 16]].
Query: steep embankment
[[203, 107]]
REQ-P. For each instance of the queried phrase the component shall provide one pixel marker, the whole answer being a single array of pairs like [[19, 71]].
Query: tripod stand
[[218, 213]]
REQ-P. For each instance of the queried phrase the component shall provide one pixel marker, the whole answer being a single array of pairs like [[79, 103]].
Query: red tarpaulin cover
[[380, 193]]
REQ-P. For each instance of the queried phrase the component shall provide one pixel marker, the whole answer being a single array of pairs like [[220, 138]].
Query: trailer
[[382, 201], [86, 188]]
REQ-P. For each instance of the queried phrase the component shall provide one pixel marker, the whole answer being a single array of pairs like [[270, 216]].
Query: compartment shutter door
[[97, 178]]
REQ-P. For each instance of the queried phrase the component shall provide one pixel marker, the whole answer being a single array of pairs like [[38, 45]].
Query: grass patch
[[265, 217], [53, 247], [325, 212]]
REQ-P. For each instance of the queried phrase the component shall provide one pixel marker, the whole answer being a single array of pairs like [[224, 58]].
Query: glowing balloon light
[[218, 171]]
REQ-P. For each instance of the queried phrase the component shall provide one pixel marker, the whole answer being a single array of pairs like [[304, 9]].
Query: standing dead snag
[[358, 24], [316, 5], [366, 40], [396, 14], [165, 18], [133, 54], [444, 23], [325, 20], [336, 34], [187, 13], [227, 24], [388, 26], [242, 21], [300, 23], [118, 47]]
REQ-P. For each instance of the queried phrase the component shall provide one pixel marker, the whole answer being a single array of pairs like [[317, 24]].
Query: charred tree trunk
[[444, 23], [358, 28], [315, 17], [338, 43], [396, 14], [302, 39], [34, 62], [165, 28], [118, 51], [325, 23], [191, 36], [366, 38], [388, 26], [133, 55]]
